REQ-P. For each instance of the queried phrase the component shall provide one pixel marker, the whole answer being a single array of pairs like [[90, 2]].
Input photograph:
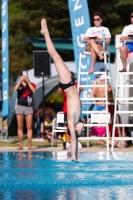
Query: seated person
[[128, 46], [94, 37], [46, 128], [101, 132], [47, 111], [100, 92], [119, 132]]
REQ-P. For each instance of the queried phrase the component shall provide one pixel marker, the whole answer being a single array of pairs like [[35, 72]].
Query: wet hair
[[98, 14]]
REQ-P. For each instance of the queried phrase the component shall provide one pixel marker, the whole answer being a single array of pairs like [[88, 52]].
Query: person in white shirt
[[94, 36], [127, 35]]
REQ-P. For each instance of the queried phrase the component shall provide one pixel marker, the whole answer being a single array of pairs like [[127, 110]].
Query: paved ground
[[55, 149]]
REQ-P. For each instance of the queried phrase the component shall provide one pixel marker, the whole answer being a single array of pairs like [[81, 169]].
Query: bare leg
[[28, 119], [63, 71], [123, 52], [96, 48], [48, 135], [20, 122], [93, 60]]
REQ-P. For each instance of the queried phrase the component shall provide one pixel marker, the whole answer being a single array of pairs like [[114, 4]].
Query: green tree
[[24, 21]]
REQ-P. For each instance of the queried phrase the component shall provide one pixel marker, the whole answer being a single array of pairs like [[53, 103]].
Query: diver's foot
[[44, 28], [73, 160]]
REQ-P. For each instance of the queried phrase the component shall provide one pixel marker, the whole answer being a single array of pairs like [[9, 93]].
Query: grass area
[[15, 143], [37, 144], [5, 123]]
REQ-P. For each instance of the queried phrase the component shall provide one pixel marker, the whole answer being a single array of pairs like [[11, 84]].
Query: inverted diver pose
[[68, 85]]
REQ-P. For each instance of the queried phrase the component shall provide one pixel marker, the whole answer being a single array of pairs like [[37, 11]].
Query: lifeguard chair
[[124, 93]]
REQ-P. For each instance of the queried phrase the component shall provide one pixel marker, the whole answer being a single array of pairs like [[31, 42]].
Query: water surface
[[51, 175]]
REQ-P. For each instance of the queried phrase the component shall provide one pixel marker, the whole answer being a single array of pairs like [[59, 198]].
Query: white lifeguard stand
[[123, 93], [95, 120]]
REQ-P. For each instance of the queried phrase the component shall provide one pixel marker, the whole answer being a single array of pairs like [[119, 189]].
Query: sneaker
[[67, 145], [79, 145]]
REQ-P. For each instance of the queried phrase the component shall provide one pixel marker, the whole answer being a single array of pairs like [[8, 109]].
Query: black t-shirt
[[25, 97]]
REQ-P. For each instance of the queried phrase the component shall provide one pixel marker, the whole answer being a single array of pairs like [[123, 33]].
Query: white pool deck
[[57, 149]]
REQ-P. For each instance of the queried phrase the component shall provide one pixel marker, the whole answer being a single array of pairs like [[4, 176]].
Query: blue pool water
[[51, 176]]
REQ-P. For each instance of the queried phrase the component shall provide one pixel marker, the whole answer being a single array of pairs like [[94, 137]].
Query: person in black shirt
[[24, 109]]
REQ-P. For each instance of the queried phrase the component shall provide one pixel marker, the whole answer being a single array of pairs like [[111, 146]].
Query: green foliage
[[54, 97], [25, 17], [24, 21]]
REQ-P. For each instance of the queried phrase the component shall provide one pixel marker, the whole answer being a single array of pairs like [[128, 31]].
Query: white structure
[[123, 95], [126, 78], [98, 118]]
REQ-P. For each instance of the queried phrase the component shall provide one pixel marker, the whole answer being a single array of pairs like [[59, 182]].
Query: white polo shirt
[[128, 30], [97, 31]]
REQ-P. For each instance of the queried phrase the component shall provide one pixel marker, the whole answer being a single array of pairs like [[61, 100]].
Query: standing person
[[94, 37], [24, 109], [127, 47], [68, 85]]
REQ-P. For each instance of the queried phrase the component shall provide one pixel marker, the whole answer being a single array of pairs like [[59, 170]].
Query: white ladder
[[88, 99], [122, 100]]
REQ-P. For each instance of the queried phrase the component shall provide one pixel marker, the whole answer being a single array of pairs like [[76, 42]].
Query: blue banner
[[5, 73], [80, 22]]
